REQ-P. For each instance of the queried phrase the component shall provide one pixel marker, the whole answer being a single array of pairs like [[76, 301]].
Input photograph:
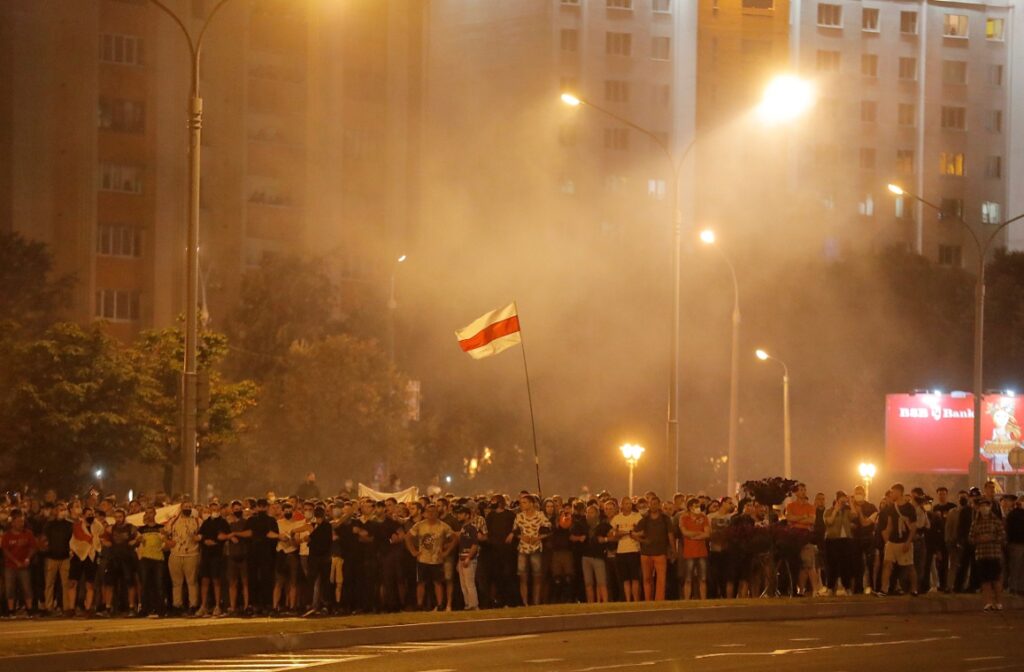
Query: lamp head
[[785, 98], [762, 355], [570, 100], [707, 236], [896, 189], [402, 258]]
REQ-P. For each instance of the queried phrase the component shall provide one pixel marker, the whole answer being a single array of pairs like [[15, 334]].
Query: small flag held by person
[[492, 333]]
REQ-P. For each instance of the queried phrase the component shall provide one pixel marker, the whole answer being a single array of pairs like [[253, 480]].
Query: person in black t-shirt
[[318, 563], [213, 533], [390, 542], [262, 533], [500, 581], [899, 523], [237, 558], [57, 537]]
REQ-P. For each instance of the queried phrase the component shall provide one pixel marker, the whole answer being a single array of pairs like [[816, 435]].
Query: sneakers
[[217, 612], [989, 607], [998, 606], [841, 592], [881, 593], [201, 612]]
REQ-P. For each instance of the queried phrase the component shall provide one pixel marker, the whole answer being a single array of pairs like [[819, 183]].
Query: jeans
[[318, 581], [840, 561], [151, 574], [467, 579], [184, 569]]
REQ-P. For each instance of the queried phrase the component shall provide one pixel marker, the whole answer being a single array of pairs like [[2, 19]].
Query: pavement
[[592, 637]]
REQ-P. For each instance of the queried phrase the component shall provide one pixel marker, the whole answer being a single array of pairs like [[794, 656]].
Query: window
[[827, 61], [991, 213], [900, 207], [954, 118], [656, 189], [618, 44], [120, 305], [661, 48], [121, 49], [994, 121], [126, 116], [906, 114], [954, 72], [994, 167], [868, 111], [759, 4], [869, 65], [866, 206], [954, 25], [616, 138], [867, 158], [869, 20], [616, 91], [662, 94], [951, 163], [952, 207], [570, 40], [619, 4], [829, 15], [949, 255], [118, 240], [908, 68], [995, 75], [908, 23], [120, 177], [905, 161], [994, 29], [616, 184], [570, 2], [662, 6]]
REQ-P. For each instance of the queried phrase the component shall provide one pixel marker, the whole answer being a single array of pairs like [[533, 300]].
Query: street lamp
[[707, 236], [867, 472], [977, 470], [787, 447], [632, 453], [392, 305], [785, 98]]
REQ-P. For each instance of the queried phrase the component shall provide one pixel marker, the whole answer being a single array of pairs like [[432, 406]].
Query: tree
[[157, 355], [31, 298], [67, 405]]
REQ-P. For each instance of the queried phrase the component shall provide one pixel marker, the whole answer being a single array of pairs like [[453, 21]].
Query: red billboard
[[934, 432]]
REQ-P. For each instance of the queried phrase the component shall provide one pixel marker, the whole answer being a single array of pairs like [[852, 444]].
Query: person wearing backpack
[[899, 523]]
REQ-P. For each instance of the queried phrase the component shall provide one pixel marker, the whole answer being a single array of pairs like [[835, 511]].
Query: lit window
[[954, 118], [954, 72], [994, 167], [908, 23], [906, 114], [994, 29], [951, 163], [869, 65], [661, 48], [827, 61], [618, 44], [900, 207], [866, 206], [991, 213], [829, 15], [954, 25], [869, 20], [908, 68], [656, 189], [868, 111]]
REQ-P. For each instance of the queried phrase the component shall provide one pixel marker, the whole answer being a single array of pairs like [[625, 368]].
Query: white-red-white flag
[[490, 334]]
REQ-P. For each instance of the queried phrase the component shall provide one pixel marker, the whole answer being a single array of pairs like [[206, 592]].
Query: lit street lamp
[[707, 236], [976, 469], [632, 453], [867, 472], [787, 447]]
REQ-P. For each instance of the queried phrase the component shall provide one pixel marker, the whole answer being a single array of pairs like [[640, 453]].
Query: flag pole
[[529, 396]]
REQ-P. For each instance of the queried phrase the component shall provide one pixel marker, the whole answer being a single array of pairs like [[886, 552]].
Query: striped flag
[[488, 335]]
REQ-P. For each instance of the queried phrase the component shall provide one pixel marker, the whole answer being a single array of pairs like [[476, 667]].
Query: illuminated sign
[[935, 432]]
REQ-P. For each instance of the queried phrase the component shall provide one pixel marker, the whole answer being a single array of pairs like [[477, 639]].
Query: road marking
[[545, 660], [881, 634], [782, 652], [981, 658], [644, 651], [997, 667], [446, 669], [645, 663], [805, 639], [729, 646]]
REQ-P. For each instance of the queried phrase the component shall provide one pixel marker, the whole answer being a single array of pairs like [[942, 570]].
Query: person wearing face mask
[[237, 559], [595, 545], [85, 547], [152, 542], [864, 541], [183, 563], [721, 556], [214, 532], [287, 584], [121, 567], [318, 563], [57, 542], [988, 536]]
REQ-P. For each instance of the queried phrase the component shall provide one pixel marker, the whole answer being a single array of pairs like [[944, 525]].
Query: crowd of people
[[310, 555]]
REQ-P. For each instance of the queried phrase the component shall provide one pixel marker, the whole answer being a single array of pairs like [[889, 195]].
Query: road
[[943, 643]]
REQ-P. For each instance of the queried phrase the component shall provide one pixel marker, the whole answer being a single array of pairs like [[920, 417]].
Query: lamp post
[[787, 447], [867, 472], [632, 453], [392, 305], [977, 469], [707, 236], [190, 476]]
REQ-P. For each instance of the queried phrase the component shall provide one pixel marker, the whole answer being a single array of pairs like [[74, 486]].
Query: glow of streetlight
[[631, 452], [707, 236], [570, 100], [867, 470], [99, 473], [785, 98], [896, 189], [402, 258], [762, 355]]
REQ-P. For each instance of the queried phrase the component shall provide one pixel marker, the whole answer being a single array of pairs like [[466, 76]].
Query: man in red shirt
[[801, 514], [19, 545]]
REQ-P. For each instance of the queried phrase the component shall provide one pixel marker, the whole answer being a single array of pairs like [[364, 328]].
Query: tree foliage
[[31, 297]]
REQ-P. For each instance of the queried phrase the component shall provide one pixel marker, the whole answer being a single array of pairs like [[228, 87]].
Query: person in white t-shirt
[[627, 553], [287, 558]]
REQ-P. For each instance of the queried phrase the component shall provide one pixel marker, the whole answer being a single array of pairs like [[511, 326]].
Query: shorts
[[529, 563], [562, 564], [238, 570], [809, 557], [82, 570], [687, 565], [899, 553], [432, 573], [628, 565], [988, 570], [594, 572], [288, 567], [211, 566], [119, 568]]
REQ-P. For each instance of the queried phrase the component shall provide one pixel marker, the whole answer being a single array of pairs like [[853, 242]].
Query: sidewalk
[[55, 645]]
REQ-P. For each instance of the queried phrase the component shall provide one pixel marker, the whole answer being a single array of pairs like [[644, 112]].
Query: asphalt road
[[942, 643]]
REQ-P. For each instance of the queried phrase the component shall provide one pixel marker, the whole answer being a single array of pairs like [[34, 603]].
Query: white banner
[[407, 495], [163, 514]]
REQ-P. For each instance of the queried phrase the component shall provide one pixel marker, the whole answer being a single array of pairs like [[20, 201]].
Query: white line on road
[[645, 663], [981, 658], [996, 667], [805, 639], [729, 646], [447, 669], [643, 651], [545, 660], [782, 652]]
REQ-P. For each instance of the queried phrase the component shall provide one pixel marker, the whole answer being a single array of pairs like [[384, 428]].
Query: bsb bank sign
[[933, 433]]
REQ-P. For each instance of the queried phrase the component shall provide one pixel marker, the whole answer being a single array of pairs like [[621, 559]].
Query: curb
[[152, 654]]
